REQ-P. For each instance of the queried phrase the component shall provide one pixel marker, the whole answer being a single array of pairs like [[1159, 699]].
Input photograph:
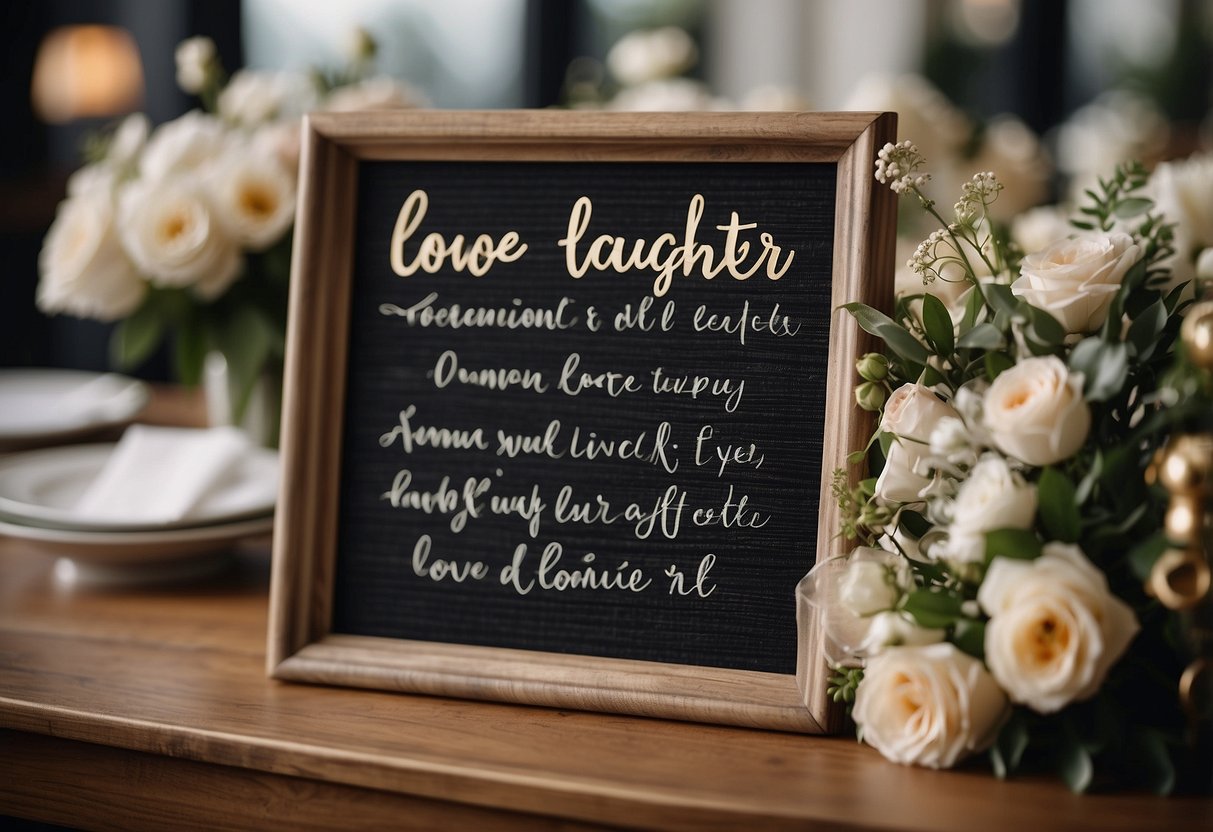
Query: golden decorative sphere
[[1197, 334], [1185, 517], [1196, 689], [1180, 578], [1185, 463]]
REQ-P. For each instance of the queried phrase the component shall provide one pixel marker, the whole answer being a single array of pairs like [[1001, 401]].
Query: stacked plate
[[41, 489]]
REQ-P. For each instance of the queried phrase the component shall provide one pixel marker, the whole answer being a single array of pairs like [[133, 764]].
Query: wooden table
[[150, 709]]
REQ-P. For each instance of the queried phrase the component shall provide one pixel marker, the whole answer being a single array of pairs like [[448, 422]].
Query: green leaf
[[1074, 764], [973, 306], [246, 341], [1044, 328], [1104, 365], [1146, 327], [189, 351], [970, 636], [1019, 544], [1151, 760], [136, 338], [982, 337], [1132, 207], [1001, 299], [1144, 555], [1058, 506], [1008, 750], [938, 324], [1083, 492], [882, 326], [933, 607], [997, 363]]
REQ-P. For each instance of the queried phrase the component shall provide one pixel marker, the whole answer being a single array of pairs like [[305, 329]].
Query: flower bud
[[870, 395], [872, 367]]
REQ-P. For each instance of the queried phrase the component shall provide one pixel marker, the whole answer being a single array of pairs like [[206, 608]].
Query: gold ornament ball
[[1185, 516], [1185, 464], [1197, 334], [1180, 578]]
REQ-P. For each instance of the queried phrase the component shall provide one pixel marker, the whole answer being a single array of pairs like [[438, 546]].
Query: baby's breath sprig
[[897, 166]]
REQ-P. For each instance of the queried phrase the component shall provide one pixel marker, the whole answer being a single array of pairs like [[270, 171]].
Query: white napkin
[[161, 475]]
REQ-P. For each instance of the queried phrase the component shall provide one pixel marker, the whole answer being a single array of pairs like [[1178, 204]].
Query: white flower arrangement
[[995, 601], [186, 230]]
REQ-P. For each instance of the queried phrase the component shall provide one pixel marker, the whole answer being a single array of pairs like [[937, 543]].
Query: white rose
[[84, 270], [904, 476], [171, 233], [928, 705], [1055, 629], [195, 59], [993, 497], [95, 178], [1013, 151], [1039, 228], [650, 55], [666, 95], [1076, 280], [253, 198], [913, 411], [281, 140], [379, 93], [182, 146], [128, 141], [1035, 411], [897, 629], [864, 578], [1183, 192], [254, 97]]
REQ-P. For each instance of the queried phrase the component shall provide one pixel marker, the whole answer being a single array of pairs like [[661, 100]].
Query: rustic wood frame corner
[[301, 645]]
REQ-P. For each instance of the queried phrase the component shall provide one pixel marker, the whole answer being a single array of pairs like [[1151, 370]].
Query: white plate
[[42, 406], [135, 549], [43, 487]]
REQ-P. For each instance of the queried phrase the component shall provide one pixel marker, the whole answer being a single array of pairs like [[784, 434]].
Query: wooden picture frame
[[302, 646]]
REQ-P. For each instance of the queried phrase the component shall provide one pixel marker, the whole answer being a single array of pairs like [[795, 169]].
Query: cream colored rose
[[170, 231], [1035, 411], [253, 198], [992, 497], [897, 629], [904, 476], [84, 270], [1055, 629], [1076, 280], [1039, 228], [182, 146], [913, 411], [929, 705], [847, 590], [255, 97], [651, 54], [379, 93], [1183, 193]]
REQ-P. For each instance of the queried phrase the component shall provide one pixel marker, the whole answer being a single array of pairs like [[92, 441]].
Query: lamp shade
[[86, 72]]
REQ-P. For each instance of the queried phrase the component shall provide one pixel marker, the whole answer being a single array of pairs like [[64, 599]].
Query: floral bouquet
[[995, 600], [186, 230]]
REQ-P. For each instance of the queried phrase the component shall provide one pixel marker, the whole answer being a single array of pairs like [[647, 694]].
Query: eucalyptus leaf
[[1133, 207], [1146, 327], [1044, 328], [1144, 555], [1008, 750], [973, 305], [997, 363], [1074, 764], [1058, 506], [1002, 299], [933, 608], [938, 325], [1104, 365], [1019, 544], [246, 341], [1151, 761], [982, 337], [137, 337], [882, 326], [189, 350]]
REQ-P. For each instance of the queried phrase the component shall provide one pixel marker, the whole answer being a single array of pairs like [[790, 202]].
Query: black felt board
[[748, 620]]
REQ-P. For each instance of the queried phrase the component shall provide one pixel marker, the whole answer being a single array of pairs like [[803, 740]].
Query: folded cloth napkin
[[161, 475]]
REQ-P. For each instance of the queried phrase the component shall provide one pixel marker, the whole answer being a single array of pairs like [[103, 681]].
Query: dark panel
[[748, 621]]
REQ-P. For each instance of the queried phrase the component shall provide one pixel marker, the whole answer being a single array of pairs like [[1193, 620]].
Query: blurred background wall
[[1040, 60]]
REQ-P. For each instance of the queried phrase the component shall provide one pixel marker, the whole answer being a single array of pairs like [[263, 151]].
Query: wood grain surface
[[177, 676]]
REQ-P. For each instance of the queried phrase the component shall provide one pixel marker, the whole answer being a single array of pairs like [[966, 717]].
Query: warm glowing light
[[87, 71]]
